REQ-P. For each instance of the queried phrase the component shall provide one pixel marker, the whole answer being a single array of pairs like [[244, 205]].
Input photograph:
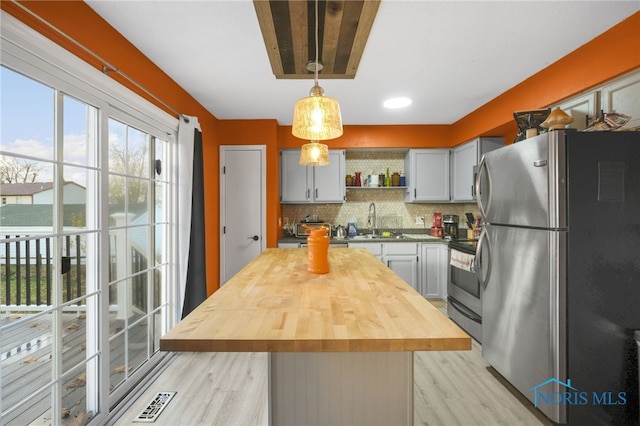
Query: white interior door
[[242, 206]]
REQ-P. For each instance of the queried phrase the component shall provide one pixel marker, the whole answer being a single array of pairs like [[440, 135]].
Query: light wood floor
[[451, 388]]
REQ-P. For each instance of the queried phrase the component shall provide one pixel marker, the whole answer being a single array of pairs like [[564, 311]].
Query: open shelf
[[377, 187]]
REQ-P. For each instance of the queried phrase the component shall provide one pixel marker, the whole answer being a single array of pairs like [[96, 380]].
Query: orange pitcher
[[318, 249]]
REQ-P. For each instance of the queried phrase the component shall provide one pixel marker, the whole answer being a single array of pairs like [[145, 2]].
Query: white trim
[[30, 53], [18, 38]]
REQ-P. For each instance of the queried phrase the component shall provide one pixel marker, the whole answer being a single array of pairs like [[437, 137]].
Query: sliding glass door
[[84, 258]]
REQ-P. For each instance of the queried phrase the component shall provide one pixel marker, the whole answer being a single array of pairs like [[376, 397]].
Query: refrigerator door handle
[[483, 242], [636, 336], [482, 170]]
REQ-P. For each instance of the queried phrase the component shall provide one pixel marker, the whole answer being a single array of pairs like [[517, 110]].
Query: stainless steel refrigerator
[[559, 259]]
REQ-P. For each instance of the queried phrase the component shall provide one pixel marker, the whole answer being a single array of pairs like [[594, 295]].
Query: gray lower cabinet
[[433, 270], [288, 245], [401, 258], [374, 248]]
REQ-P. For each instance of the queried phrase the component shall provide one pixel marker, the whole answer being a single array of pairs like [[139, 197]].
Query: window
[[86, 290]]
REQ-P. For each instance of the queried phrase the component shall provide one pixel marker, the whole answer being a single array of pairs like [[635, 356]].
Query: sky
[[27, 125]]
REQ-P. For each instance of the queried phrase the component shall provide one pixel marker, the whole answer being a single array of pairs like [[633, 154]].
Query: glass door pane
[[49, 234]]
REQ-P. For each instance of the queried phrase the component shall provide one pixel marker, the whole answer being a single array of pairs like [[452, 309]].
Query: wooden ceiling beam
[[288, 29]]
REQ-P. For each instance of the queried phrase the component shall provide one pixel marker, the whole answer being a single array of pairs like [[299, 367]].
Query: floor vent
[[155, 407]]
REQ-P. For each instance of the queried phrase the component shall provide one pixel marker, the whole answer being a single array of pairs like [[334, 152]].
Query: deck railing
[[26, 269]]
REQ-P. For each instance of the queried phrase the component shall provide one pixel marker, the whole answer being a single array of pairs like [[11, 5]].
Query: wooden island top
[[275, 305]]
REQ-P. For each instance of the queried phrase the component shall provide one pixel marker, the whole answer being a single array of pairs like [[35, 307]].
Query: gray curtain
[[196, 285]]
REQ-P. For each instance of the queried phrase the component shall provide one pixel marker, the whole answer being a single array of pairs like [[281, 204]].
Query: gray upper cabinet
[[302, 184], [463, 160], [623, 96], [427, 174], [582, 108]]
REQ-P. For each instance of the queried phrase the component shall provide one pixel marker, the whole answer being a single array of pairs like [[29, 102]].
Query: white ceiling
[[450, 57]]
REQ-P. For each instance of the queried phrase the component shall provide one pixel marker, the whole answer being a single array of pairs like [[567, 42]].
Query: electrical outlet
[[419, 220]]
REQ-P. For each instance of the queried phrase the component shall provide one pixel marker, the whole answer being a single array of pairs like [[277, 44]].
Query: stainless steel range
[[464, 293]]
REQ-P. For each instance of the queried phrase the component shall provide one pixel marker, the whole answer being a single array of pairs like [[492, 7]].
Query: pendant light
[[314, 154], [316, 118]]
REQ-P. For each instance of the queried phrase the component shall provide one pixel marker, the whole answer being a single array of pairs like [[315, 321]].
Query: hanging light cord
[[316, 64]]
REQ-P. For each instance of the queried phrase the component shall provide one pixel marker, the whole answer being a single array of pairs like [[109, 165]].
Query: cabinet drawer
[[375, 248], [400, 248], [288, 245]]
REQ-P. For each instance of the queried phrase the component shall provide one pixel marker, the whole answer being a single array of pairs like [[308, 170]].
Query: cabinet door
[[294, 178], [429, 175], [434, 267], [329, 184], [623, 96], [406, 267], [582, 109], [464, 158]]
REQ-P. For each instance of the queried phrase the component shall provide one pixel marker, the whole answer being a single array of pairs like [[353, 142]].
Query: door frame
[[263, 196]]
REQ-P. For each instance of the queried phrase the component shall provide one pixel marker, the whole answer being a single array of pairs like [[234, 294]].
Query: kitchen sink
[[378, 237], [365, 237]]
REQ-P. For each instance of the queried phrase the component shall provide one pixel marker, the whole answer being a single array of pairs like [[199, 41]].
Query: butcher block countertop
[[275, 305]]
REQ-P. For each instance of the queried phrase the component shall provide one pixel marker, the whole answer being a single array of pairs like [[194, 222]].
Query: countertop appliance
[[560, 265], [450, 223], [464, 293], [300, 230]]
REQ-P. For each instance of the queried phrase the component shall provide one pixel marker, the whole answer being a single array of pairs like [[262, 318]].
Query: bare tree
[[130, 162], [14, 171]]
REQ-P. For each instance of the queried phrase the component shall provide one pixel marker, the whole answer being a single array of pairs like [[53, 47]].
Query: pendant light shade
[[316, 117], [314, 154]]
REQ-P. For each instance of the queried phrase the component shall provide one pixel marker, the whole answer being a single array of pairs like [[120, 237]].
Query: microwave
[[301, 232]]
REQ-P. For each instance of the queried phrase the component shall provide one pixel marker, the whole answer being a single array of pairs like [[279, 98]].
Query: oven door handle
[[464, 310]]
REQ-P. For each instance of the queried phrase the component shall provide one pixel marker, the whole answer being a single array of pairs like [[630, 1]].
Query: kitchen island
[[340, 344]]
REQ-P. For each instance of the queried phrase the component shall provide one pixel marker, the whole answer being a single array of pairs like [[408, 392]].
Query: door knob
[[254, 238]]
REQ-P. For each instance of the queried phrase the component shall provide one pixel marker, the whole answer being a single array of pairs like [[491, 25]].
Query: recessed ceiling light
[[395, 103]]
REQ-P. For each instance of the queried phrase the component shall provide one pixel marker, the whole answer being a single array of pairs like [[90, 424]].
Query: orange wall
[[401, 136], [607, 56], [257, 132], [98, 36], [613, 53]]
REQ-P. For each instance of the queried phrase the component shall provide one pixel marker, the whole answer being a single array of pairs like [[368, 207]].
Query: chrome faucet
[[371, 219]]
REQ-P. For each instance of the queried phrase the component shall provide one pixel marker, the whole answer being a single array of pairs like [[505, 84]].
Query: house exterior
[[39, 193]]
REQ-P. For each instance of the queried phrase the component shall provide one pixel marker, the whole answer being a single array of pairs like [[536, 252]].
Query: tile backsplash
[[389, 202]]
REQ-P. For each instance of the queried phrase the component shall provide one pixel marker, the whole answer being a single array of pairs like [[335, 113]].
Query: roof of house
[[24, 188], [24, 215], [40, 215]]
